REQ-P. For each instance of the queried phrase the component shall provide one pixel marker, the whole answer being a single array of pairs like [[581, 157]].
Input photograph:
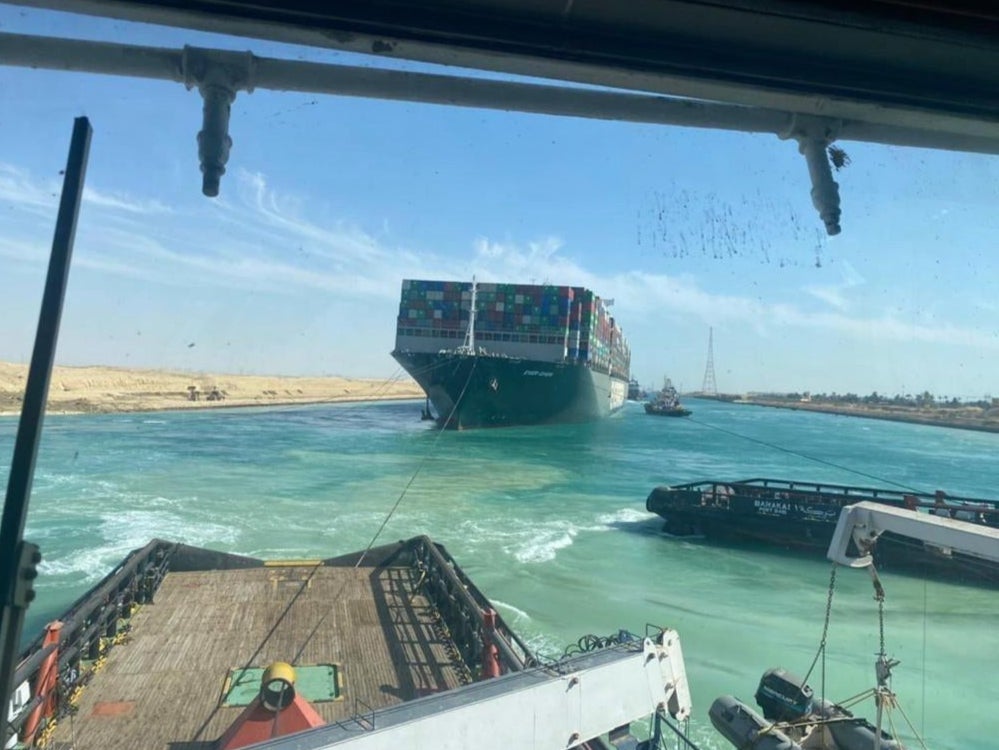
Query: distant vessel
[[495, 355], [666, 403], [634, 390], [803, 515]]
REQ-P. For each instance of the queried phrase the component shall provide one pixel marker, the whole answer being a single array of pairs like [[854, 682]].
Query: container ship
[[496, 355]]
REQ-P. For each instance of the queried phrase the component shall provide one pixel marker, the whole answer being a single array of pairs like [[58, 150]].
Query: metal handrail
[[90, 620], [923, 499], [514, 653]]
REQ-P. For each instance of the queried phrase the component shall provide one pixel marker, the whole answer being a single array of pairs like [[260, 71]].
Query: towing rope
[[419, 468], [805, 456]]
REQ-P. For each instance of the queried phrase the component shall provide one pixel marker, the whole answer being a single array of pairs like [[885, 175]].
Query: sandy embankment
[[90, 390], [960, 417]]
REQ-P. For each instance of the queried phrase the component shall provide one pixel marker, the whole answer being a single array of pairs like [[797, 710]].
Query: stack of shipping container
[[541, 322], [433, 309]]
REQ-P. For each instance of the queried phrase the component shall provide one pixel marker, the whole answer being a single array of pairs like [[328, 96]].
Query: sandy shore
[[963, 417], [94, 390]]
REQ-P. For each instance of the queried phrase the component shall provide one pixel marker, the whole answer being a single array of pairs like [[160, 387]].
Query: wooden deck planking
[[162, 687]]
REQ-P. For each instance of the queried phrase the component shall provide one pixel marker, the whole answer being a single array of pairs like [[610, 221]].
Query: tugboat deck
[[162, 687]]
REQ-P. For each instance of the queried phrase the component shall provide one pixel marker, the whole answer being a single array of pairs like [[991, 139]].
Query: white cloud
[[283, 212], [22, 251], [266, 244], [122, 202], [836, 295], [642, 294], [539, 262], [263, 240], [19, 188]]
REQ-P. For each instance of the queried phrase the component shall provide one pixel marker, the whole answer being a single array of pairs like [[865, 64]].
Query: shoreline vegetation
[[982, 416], [107, 390]]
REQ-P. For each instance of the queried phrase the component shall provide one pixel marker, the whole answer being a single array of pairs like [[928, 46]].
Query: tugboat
[[802, 516], [634, 390], [666, 403]]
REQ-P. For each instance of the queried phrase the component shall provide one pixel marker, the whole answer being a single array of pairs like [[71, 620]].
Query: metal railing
[[89, 628], [462, 607], [719, 492]]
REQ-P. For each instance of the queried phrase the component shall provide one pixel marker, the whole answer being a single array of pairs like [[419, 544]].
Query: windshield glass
[[286, 294]]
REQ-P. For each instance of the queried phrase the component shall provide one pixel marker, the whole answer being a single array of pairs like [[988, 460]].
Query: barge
[[802, 516]]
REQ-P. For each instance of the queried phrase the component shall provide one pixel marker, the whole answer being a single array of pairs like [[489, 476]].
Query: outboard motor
[[744, 728], [783, 696]]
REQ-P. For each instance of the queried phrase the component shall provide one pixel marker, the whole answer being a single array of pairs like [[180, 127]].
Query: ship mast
[[469, 346]]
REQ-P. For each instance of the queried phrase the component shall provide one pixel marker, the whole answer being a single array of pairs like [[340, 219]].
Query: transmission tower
[[709, 387]]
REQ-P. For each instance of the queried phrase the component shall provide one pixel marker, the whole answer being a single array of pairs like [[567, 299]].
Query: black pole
[[17, 557]]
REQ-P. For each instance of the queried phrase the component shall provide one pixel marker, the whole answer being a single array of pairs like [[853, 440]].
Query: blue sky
[[329, 202]]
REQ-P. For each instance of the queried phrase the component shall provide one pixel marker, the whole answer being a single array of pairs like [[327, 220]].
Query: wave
[[120, 532], [623, 515], [544, 546], [518, 613]]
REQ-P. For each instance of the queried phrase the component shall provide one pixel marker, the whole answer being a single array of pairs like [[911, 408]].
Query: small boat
[[794, 719], [802, 516], [666, 403]]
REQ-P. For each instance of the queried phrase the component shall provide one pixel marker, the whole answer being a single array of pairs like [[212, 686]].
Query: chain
[[881, 622], [443, 633], [879, 597], [829, 600], [825, 625]]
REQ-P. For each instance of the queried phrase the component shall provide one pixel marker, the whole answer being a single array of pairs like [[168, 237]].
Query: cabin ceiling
[[929, 63]]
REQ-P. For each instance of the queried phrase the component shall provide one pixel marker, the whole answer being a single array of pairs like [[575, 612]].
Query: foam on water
[[544, 546], [120, 532], [624, 515], [519, 614]]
